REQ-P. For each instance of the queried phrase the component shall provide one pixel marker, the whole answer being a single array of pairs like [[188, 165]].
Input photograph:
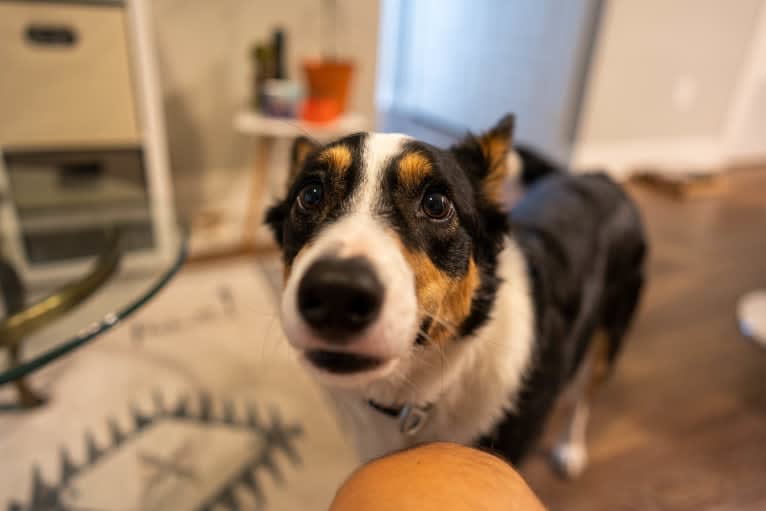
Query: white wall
[[664, 78], [205, 69], [746, 122]]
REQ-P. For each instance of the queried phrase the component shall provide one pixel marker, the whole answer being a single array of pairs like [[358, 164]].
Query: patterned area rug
[[194, 403]]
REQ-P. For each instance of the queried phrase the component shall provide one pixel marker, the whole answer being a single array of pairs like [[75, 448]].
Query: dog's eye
[[436, 205], [311, 196]]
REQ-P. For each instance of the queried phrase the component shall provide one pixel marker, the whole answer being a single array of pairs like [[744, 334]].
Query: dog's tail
[[530, 166]]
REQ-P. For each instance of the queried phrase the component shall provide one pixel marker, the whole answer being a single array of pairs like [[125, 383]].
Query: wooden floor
[[682, 426]]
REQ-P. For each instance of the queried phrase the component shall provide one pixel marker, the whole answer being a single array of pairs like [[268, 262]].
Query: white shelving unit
[[82, 138]]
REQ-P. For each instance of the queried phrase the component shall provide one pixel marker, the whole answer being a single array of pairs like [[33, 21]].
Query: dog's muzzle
[[339, 298]]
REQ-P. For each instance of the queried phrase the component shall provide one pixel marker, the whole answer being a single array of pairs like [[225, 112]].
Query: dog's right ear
[[484, 158], [277, 214]]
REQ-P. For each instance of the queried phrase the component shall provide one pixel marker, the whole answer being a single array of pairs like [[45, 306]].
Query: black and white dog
[[432, 313]]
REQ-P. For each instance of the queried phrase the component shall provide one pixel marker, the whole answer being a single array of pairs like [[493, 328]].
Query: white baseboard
[[621, 159]]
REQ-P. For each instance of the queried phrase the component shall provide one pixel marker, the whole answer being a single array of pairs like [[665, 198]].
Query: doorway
[[448, 67]]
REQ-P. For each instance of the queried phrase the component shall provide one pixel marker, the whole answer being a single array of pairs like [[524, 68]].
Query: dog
[[430, 312]]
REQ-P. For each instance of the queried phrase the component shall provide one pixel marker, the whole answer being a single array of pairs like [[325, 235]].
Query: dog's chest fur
[[471, 386]]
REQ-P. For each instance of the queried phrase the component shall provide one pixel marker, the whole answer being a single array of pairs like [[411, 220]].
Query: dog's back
[[584, 244]]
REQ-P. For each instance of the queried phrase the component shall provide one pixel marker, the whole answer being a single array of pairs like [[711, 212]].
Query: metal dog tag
[[413, 418]]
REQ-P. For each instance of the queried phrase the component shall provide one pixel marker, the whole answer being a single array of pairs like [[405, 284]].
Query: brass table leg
[[23, 320], [28, 398], [14, 296]]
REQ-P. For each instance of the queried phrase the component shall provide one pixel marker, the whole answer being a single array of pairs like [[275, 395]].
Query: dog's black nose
[[340, 297]]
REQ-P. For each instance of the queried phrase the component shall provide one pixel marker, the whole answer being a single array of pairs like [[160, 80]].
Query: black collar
[[391, 411], [411, 418]]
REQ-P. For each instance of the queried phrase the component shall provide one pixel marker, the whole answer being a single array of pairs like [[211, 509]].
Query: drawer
[[67, 182], [66, 78]]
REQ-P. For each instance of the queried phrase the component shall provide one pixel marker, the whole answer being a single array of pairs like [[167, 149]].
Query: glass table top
[[116, 284]]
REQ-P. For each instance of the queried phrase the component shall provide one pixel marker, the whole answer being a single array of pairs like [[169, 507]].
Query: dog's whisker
[[422, 358], [443, 322], [452, 329], [447, 293], [425, 335], [442, 360], [412, 387], [259, 311], [346, 409], [268, 342]]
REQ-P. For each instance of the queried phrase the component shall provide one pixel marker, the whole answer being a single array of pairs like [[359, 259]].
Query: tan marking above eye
[[448, 298], [413, 169], [338, 157]]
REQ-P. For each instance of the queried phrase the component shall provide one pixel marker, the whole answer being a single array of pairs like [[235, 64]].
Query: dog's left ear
[[485, 159], [276, 214], [302, 147]]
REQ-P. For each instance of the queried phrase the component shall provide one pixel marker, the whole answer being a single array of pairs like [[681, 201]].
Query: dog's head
[[390, 247]]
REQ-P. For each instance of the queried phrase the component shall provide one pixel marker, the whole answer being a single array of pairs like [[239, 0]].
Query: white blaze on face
[[379, 150], [360, 234]]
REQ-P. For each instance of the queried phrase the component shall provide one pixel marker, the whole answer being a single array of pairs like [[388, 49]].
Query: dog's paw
[[570, 459]]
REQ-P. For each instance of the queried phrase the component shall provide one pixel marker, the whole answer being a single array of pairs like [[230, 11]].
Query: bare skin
[[440, 476]]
